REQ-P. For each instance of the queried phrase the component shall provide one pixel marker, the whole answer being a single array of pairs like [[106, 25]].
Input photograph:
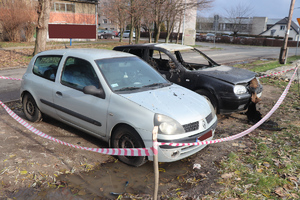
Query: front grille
[[191, 126], [209, 118]]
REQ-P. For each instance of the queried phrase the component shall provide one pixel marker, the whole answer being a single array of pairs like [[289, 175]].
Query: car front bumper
[[230, 104], [167, 153]]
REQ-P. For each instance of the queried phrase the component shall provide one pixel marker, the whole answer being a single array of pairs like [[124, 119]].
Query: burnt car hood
[[229, 74]]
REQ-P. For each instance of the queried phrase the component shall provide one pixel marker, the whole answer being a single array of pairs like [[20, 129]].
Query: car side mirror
[[92, 90]]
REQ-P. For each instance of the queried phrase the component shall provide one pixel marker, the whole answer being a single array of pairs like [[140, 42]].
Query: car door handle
[[58, 93]]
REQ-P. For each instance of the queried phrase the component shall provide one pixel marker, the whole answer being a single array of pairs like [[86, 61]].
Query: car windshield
[[130, 73], [193, 60]]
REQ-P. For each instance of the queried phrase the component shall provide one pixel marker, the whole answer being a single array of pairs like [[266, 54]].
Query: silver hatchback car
[[118, 98]]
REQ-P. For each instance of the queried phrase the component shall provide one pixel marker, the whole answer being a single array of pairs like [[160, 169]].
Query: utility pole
[[283, 51]]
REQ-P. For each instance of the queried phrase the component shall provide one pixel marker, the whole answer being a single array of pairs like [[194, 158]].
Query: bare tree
[[177, 8], [148, 18], [43, 10], [117, 11], [239, 16], [160, 16]]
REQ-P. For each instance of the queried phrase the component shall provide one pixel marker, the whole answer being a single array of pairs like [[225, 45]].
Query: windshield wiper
[[128, 88], [153, 84]]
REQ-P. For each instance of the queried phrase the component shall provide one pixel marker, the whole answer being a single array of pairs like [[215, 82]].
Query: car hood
[[174, 101], [229, 74]]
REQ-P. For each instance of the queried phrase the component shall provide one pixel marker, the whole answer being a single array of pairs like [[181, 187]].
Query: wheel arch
[[122, 125]]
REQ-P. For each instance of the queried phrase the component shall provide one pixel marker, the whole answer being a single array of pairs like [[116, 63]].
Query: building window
[[63, 7], [282, 28], [105, 21]]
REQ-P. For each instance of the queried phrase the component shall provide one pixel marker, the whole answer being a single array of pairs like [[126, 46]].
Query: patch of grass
[[271, 170], [264, 65], [271, 166], [15, 44]]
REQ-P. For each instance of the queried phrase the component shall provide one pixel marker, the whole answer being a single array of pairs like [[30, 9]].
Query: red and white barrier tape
[[9, 78], [233, 137], [109, 151], [275, 73], [147, 151]]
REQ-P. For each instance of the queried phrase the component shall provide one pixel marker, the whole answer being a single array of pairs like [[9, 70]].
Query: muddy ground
[[32, 167]]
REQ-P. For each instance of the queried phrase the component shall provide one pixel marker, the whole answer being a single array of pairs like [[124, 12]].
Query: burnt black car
[[228, 88]]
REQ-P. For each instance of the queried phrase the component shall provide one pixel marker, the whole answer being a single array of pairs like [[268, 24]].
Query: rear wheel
[[210, 97], [127, 137], [112, 37], [30, 109]]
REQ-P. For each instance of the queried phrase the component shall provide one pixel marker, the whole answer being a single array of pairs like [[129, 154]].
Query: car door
[[166, 65], [72, 105]]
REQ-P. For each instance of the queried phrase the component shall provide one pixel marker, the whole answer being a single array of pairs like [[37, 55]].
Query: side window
[[46, 66], [160, 60], [78, 73]]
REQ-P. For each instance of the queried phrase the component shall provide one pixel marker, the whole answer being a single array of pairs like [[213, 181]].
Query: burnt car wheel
[[210, 97], [127, 137], [30, 109]]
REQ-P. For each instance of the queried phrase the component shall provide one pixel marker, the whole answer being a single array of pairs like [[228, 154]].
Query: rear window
[[46, 66]]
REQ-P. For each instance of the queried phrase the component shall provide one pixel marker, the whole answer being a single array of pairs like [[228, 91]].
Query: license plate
[[205, 136]]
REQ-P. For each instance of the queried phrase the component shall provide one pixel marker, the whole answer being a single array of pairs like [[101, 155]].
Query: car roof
[[167, 46], [93, 54], [173, 47]]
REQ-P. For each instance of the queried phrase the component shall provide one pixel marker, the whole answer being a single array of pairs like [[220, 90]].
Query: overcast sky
[[261, 8]]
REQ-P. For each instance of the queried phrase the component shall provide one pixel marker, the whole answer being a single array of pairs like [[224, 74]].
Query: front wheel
[[127, 137], [30, 109]]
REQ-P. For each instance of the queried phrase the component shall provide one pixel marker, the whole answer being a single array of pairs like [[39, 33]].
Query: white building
[[279, 30]]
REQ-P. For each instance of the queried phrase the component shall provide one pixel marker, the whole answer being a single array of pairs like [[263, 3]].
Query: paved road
[[234, 53], [9, 89]]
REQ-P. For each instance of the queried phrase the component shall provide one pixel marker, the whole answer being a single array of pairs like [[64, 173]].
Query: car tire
[[112, 37], [210, 97], [101, 37], [127, 137], [30, 109]]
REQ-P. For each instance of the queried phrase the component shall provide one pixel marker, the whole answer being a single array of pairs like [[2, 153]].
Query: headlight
[[239, 89], [167, 125], [213, 111]]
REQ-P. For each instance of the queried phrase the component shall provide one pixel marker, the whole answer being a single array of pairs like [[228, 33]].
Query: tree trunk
[[137, 34], [170, 28], [178, 32], [157, 34], [42, 26], [150, 35]]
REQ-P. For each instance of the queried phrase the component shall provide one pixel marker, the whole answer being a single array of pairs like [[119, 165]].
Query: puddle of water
[[112, 177]]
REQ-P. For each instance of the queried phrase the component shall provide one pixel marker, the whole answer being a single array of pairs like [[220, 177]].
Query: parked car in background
[[118, 98], [229, 89], [210, 37], [200, 37], [116, 33], [126, 34], [105, 34]]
